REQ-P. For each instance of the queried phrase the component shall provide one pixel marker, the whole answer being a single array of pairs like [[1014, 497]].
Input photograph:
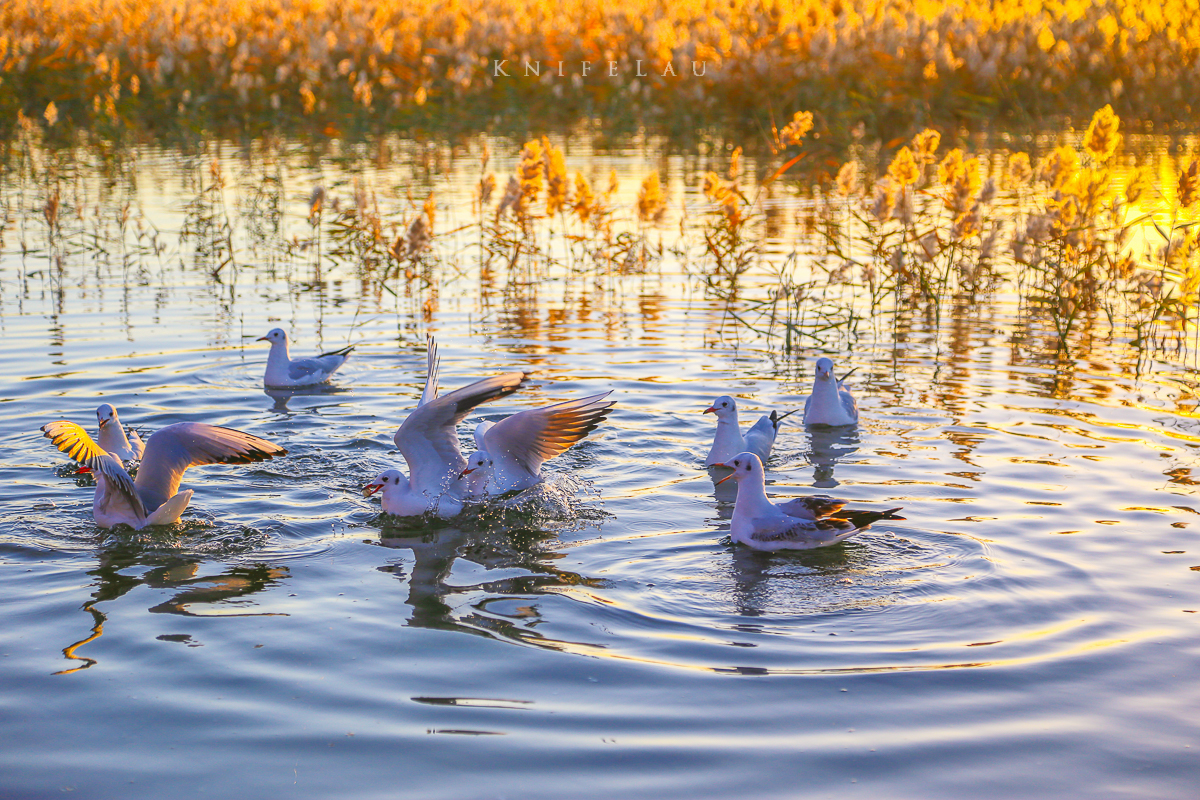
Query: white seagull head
[[275, 336], [105, 414], [825, 369], [387, 481], [724, 407], [479, 460], [744, 465]]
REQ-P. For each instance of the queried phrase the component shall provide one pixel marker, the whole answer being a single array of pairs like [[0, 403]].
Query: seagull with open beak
[[800, 524]]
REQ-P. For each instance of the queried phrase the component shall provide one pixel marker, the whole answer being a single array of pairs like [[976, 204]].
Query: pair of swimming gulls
[[509, 457]]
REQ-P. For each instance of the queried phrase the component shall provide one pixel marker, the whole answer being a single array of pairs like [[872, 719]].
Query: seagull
[[285, 372], [759, 439], [830, 402], [154, 498], [429, 444], [800, 524], [512, 451], [113, 438]]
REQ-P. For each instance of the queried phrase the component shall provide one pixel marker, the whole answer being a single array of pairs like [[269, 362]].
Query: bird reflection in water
[[507, 607], [282, 396], [167, 572], [827, 447], [765, 583]]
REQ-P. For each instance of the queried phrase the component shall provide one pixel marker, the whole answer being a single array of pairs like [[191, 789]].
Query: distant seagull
[[830, 402], [113, 438], [429, 443], [799, 524], [511, 452], [285, 372], [729, 441], [154, 498]]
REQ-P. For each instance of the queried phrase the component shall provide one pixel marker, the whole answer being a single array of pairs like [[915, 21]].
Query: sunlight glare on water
[[1030, 625]]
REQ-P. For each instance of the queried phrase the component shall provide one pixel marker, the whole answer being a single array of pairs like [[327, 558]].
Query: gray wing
[[802, 534], [480, 430], [539, 434], [812, 507], [433, 367], [848, 402], [75, 442], [314, 367], [135, 441], [171, 450], [760, 438], [427, 438]]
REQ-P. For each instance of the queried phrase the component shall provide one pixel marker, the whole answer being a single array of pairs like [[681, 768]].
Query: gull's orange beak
[[104, 422], [84, 470], [710, 410], [371, 488], [727, 477], [262, 339], [466, 472]]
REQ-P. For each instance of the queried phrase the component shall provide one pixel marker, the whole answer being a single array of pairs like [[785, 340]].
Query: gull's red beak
[[710, 410], [466, 471], [262, 339], [84, 470], [104, 422], [727, 477], [371, 488]]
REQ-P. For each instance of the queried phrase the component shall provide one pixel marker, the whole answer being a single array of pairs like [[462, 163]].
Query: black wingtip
[[777, 418], [345, 351], [861, 519]]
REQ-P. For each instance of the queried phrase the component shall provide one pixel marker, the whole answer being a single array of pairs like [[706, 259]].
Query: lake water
[[1031, 628]]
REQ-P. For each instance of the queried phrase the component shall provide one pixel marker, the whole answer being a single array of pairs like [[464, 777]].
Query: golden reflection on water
[[932, 371]]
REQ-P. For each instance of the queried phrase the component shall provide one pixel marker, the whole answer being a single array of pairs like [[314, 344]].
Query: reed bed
[[1087, 245], [889, 62]]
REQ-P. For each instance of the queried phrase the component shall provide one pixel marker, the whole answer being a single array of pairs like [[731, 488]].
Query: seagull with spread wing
[[154, 498], [799, 524], [285, 372], [511, 452], [428, 440]]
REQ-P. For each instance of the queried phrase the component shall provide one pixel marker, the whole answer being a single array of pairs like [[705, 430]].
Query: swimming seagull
[[511, 452], [799, 524], [113, 439], [154, 498], [284, 372], [729, 441], [429, 444], [830, 402]]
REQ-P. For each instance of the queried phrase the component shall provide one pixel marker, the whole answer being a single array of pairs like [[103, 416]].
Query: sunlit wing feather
[[535, 436], [73, 440], [433, 368], [175, 448], [811, 507]]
